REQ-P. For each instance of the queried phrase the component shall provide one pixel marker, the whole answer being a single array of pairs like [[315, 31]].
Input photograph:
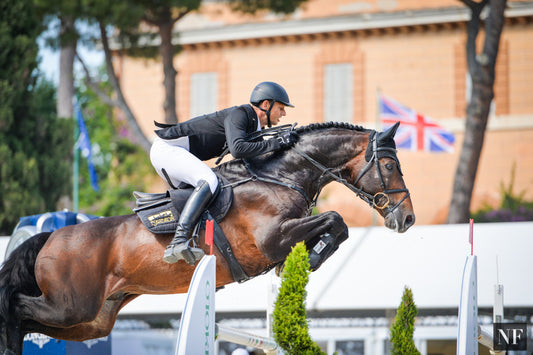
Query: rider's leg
[[179, 247], [182, 166]]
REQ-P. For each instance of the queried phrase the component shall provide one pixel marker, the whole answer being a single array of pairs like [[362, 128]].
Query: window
[[350, 347], [338, 92], [204, 89]]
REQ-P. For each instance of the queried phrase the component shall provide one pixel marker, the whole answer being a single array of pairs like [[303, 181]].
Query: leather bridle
[[379, 200]]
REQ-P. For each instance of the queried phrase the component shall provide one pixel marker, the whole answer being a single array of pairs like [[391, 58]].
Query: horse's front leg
[[327, 229]]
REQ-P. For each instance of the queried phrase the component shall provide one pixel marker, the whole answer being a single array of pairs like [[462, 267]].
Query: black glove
[[287, 139]]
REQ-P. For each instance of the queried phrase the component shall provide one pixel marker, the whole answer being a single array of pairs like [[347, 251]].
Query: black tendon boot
[[179, 247], [322, 250]]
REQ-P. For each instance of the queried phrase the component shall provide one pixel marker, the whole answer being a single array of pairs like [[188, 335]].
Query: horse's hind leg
[[14, 337], [62, 314], [101, 326]]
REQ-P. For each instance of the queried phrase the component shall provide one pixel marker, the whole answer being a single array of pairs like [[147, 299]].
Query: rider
[[178, 151]]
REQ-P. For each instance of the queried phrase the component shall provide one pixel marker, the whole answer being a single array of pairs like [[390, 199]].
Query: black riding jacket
[[209, 133]]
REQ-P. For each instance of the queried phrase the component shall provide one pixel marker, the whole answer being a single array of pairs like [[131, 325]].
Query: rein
[[374, 201]]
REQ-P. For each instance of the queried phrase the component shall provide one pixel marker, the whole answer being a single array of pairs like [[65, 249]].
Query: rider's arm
[[236, 128]]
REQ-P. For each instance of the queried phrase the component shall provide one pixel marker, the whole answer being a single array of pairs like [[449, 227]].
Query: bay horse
[[71, 284]]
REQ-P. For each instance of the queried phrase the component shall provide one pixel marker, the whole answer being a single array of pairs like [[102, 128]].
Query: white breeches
[[180, 164]]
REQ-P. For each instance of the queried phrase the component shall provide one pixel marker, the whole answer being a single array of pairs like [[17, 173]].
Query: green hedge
[[290, 326], [403, 327]]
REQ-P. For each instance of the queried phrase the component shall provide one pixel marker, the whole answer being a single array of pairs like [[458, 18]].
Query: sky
[[49, 64], [49, 58]]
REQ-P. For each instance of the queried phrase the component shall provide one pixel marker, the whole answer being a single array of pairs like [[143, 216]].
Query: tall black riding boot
[[179, 247]]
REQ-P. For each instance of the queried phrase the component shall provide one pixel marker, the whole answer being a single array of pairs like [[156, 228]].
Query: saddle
[[159, 212]]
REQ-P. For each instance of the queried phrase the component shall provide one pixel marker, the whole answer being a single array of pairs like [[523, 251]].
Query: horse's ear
[[391, 132]]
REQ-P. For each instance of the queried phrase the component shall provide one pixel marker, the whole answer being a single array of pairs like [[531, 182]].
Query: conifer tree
[[33, 146], [403, 327], [290, 325]]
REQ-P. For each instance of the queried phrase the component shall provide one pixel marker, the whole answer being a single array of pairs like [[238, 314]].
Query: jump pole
[[470, 333], [197, 326]]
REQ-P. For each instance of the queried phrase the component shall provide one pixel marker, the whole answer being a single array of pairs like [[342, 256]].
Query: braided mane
[[324, 125]]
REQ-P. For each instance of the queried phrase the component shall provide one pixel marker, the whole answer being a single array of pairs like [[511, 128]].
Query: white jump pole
[[239, 337], [470, 333], [467, 336], [197, 327]]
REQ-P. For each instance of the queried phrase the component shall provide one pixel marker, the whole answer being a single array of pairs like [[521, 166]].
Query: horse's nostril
[[409, 220]]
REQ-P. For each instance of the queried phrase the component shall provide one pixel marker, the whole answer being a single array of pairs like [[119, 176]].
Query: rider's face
[[277, 111]]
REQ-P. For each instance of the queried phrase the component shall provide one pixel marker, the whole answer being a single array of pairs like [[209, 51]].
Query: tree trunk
[[482, 71], [120, 102], [65, 89], [166, 50]]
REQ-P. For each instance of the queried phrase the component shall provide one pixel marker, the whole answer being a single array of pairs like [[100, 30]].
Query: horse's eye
[[389, 166]]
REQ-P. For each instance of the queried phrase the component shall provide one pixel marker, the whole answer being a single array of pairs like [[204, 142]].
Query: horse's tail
[[17, 275]]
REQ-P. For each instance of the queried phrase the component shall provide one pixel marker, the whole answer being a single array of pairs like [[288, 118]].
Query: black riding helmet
[[272, 92]]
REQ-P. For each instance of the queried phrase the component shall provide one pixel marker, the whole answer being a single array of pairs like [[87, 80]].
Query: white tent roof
[[370, 270]]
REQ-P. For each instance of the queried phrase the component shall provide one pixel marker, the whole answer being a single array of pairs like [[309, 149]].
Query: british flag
[[416, 132]]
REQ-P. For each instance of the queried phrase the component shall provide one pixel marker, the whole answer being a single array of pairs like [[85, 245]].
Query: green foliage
[[403, 327], [19, 28], [276, 6], [35, 145], [290, 326], [36, 160], [121, 166], [513, 207]]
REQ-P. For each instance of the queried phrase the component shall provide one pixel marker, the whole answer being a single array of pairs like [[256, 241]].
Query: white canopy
[[370, 270]]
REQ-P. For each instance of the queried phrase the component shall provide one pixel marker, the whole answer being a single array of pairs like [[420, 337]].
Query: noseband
[[374, 201], [379, 200]]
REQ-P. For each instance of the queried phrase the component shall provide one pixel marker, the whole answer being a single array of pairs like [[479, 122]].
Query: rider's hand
[[287, 139]]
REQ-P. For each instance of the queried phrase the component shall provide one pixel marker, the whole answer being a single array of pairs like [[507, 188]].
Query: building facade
[[334, 57]]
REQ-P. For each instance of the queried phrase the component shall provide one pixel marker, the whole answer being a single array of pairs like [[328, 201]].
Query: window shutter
[[338, 92], [204, 90]]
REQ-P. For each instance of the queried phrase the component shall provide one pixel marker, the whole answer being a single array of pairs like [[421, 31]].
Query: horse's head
[[363, 160], [380, 181]]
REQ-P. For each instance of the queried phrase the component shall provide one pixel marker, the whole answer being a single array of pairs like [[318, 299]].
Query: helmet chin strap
[[267, 112]]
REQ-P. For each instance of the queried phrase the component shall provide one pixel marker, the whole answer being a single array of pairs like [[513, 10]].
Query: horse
[[71, 284]]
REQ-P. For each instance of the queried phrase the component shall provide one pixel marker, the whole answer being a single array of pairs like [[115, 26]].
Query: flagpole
[[378, 123], [76, 169]]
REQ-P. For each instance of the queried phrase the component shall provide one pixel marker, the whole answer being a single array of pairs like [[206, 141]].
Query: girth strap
[[224, 247]]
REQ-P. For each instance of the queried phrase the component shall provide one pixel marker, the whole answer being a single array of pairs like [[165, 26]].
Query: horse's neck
[[333, 149], [330, 149]]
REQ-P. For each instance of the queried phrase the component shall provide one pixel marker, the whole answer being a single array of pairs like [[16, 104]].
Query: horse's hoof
[[279, 269]]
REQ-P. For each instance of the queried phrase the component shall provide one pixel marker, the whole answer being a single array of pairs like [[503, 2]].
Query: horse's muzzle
[[398, 221]]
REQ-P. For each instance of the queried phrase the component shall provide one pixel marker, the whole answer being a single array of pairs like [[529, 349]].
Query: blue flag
[[84, 144]]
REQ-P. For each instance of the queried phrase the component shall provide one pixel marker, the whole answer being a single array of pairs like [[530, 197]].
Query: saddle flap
[[146, 199], [160, 212]]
